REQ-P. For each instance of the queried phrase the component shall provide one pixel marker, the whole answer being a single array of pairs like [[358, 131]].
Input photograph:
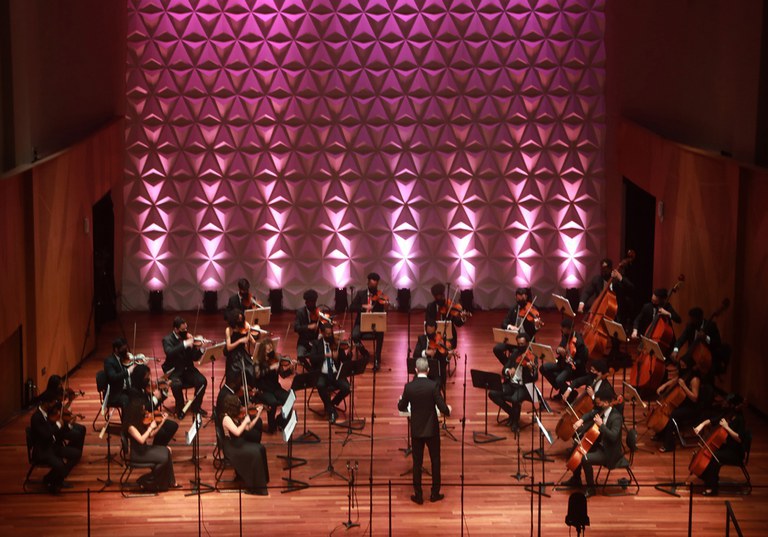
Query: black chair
[[221, 462], [745, 487], [622, 464], [32, 463], [130, 466], [101, 387]]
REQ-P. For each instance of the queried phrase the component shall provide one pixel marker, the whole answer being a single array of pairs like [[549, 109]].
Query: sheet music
[[290, 426], [288, 405]]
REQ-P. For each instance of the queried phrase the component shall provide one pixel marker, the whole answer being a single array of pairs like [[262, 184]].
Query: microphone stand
[[351, 496], [373, 419], [463, 429]]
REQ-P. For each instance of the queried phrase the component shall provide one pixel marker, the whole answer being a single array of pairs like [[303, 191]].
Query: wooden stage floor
[[495, 503]]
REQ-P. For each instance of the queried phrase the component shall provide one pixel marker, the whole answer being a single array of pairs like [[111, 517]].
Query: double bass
[[700, 352], [605, 306]]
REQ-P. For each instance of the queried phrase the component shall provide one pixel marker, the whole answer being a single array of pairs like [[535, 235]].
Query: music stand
[[446, 329], [291, 485], [193, 438], [563, 305], [618, 336], [540, 488], [211, 354], [260, 316], [352, 369], [535, 395], [500, 335], [288, 415], [543, 353], [304, 381], [652, 347], [330, 470], [487, 381], [671, 487]]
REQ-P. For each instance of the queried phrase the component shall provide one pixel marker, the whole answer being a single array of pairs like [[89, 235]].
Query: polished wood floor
[[495, 503]]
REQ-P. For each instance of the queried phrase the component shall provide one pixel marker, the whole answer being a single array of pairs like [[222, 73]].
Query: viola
[[199, 341], [378, 298], [321, 315], [67, 416]]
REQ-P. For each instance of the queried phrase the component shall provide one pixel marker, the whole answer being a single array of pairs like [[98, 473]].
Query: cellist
[[688, 380], [697, 330], [732, 450], [657, 306], [621, 287], [607, 450]]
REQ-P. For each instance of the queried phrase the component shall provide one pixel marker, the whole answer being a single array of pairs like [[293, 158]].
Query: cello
[[701, 353], [659, 416], [582, 405], [605, 306], [587, 440], [648, 371]]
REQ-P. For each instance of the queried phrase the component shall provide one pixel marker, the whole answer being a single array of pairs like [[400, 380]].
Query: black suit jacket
[[117, 375], [177, 356], [317, 356], [422, 344], [44, 433], [234, 303], [596, 285], [423, 395], [610, 433], [689, 334], [530, 374], [645, 317], [361, 297], [529, 327], [300, 326]]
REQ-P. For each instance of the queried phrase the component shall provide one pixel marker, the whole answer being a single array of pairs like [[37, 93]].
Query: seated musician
[[71, 432], [571, 361], [512, 321], [139, 427], [118, 367], [657, 306], [249, 458], [369, 300], [517, 372], [239, 346], [440, 310], [732, 451], [48, 443], [270, 392], [607, 450], [306, 325], [431, 345], [180, 357], [621, 286], [242, 300], [597, 376], [696, 330], [152, 397], [234, 385], [689, 380], [327, 356]]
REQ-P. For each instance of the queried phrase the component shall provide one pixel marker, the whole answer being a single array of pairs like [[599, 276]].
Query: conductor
[[423, 395]]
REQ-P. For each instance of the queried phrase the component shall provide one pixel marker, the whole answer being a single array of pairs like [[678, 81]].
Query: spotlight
[[403, 300], [341, 300], [467, 300], [210, 301], [156, 301], [276, 300]]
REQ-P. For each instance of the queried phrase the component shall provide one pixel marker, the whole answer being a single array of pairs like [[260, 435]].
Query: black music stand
[[352, 369], [540, 488], [330, 470], [291, 485], [211, 354], [535, 394], [671, 487], [487, 381], [193, 437], [289, 415], [303, 382]]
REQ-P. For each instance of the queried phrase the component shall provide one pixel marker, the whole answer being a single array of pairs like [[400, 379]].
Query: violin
[[156, 416], [526, 359], [453, 309], [321, 315], [249, 302], [69, 417], [440, 345], [135, 359], [378, 298], [530, 314]]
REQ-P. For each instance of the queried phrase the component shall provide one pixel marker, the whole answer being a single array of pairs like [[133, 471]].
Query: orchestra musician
[[657, 306], [242, 300], [239, 346], [270, 392], [431, 345], [572, 356], [179, 366], [517, 371], [48, 443], [249, 458], [607, 450], [152, 398], [512, 320], [689, 380], [368, 300], [697, 329], [594, 381], [622, 287], [327, 356], [234, 385], [71, 432], [441, 309], [139, 428], [118, 367], [306, 325], [421, 396]]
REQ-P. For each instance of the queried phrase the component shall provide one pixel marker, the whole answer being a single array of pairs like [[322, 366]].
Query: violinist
[[441, 309], [240, 344], [327, 356], [48, 445], [248, 458], [242, 300], [571, 362], [594, 381], [431, 346], [619, 284], [270, 392], [152, 399], [138, 429], [608, 416], [306, 325], [657, 306], [368, 300], [732, 450], [234, 385], [514, 319], [519, 370], [71, 432], [118, 367], [697, 330], [180, 357], [689, 381]]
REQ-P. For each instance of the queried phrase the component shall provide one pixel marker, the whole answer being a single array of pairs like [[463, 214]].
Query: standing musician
[[441, 309], [657, 306], [423, 396], [607, 450], [519, 370], [118, 367], [571, 362], [270, 392], [327, 356], [48, 443], [306, 325], [621, 287], [71, 432], [689, 381], [696, 330], [242, 300], [152, 397], [514, 319], [234, 385], [732, 451], [369, 300], [139, 428], [180, 357], [239, 346], [432, 346], [594, 381]]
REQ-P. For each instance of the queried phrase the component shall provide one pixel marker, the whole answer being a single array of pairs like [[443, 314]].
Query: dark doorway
[[639, 230], [104, 298], [11, 357]]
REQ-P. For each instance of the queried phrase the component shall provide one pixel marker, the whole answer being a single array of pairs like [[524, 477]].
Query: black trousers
[[501, 352], [433, 444], [165, 433], [557, 375], [511, 393], [357, 336], [325, 384], [189, 378], [595, 457], [61, 459]]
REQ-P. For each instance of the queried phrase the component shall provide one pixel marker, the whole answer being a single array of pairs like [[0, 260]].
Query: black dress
[[239, 357], [162, 476], [249, 460]]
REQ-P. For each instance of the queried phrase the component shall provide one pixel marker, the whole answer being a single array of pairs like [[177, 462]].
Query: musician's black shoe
[[574, 482], [589, 492], [180, 414], [709, 492], [436, 497], [332, 417], [515, 427], [415, 498], [203, 412]]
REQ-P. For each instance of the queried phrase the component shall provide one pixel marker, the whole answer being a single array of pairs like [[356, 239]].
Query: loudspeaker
[[573, 295], [156, 301], [210, 301], [276, 300], [341, 300], [467, 300], [403, 300]]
